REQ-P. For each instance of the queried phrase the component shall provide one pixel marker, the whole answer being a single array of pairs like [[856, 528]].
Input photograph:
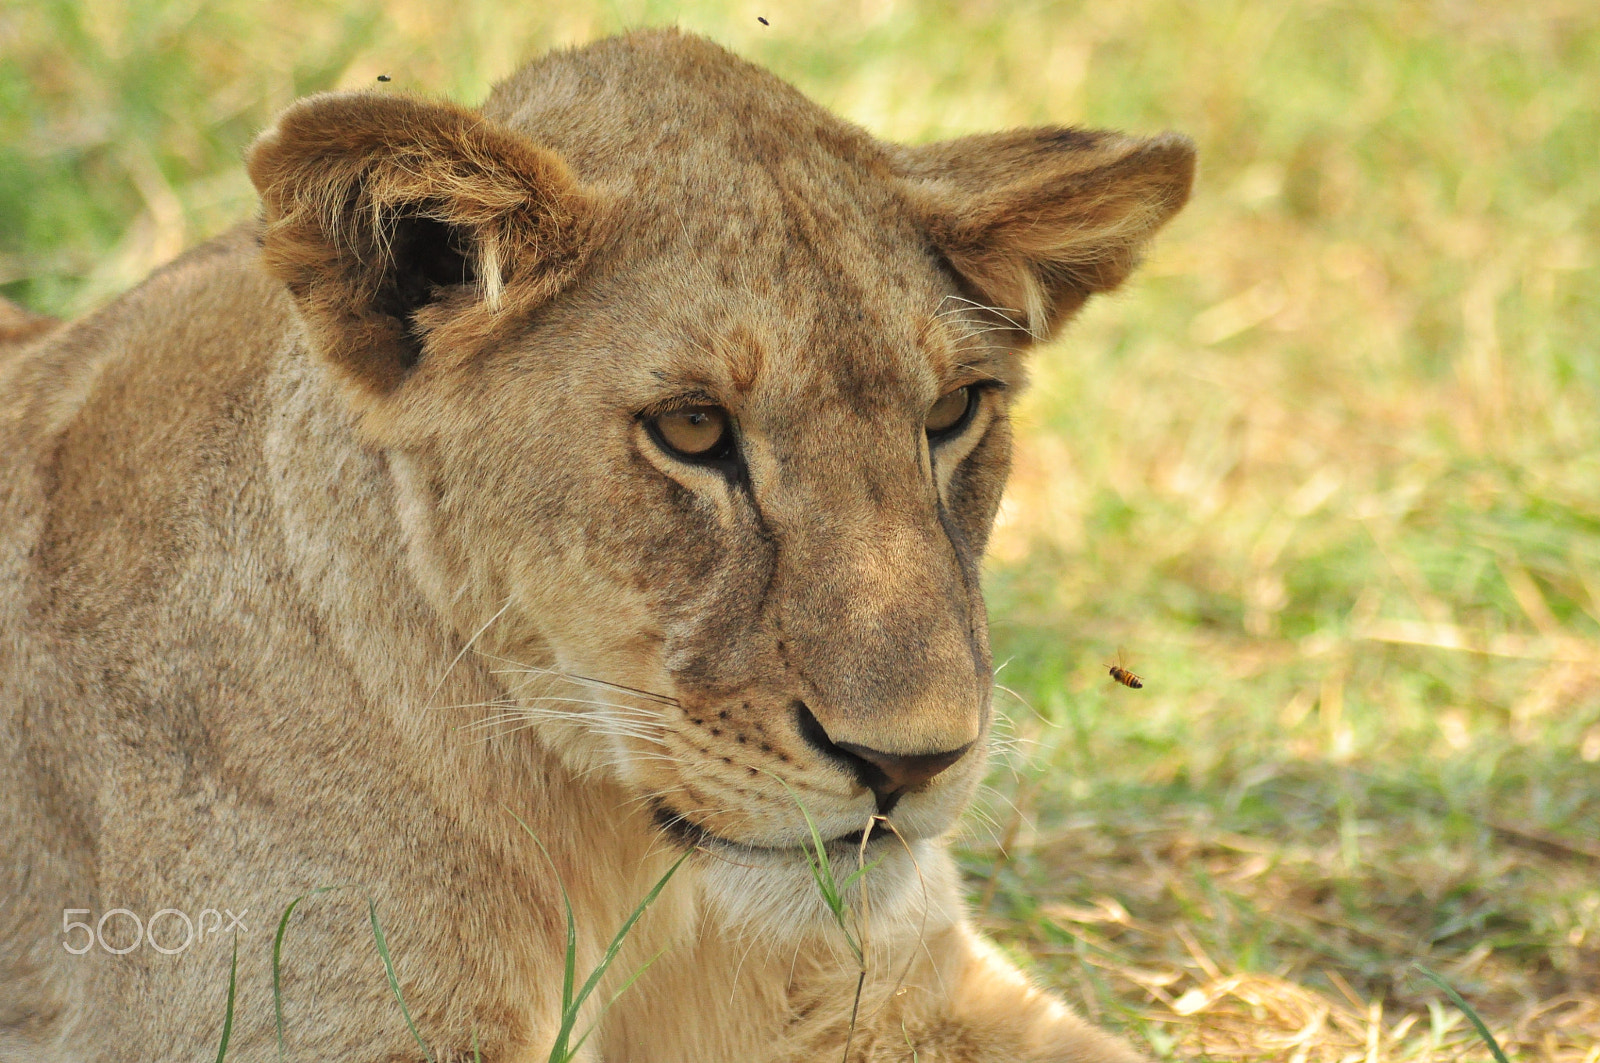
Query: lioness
[[534, 495]]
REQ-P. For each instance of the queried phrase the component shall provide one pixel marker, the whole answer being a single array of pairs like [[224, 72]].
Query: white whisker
[[463, 652], [528, 669], [498, 703], [1002, 312], [638, 710], [597, 723]]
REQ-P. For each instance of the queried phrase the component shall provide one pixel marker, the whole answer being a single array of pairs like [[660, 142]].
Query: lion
[[537, 503]]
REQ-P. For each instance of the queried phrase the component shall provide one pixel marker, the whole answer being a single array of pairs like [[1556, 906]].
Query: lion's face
[[697, 406], [765, 501]]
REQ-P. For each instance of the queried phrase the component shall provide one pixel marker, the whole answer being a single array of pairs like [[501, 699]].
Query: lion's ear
[[1037, 220], [409, 230]]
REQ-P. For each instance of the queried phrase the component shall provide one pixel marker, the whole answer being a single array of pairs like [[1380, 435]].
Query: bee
[[763, 21], [383, 77], [1123, 676]]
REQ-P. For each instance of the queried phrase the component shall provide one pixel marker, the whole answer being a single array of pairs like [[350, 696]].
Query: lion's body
[[267, 563]]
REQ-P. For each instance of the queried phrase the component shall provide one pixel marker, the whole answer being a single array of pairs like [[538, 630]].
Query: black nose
[[889, 775]]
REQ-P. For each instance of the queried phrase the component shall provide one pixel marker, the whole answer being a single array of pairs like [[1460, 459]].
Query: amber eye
[[695, 432], [951, 413]]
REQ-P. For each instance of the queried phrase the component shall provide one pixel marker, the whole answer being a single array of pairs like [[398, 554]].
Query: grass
[[1329, 469], [380, 942], [394, 980], [573, 997], [227, 1015], [832, 891], [277, 958], [1467, 1010]]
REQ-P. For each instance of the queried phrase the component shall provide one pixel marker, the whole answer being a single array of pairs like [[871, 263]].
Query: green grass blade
[[572, 1001], [394, 981], [277, 957], [632, 978], [227, 1018], [852, 877], [559, 1052], [828, 886], [855, 1010], [569, 976], [817, 857], [622, 933], [822, 875], [1466, 1009], [623, 988]]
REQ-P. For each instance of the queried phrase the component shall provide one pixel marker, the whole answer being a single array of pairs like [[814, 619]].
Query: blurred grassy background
[[1329, 470]]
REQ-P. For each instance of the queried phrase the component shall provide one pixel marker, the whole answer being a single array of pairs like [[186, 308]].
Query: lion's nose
[[889, 775], [902, 771]]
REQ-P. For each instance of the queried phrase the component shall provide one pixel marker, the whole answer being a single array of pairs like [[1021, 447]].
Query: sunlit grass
[[227, 1015], [834, 891], [568, 1041], [1329, 469]]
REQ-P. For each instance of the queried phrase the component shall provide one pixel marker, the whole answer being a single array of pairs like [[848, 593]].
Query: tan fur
[[304, 541], [19, 328]]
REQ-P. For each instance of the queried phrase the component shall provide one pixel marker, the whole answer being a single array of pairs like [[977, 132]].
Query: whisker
[[1024, 702], [463, 652], [594, 723], [1001, 312], [519, 667], [601, 733], [922, 928], [977, 305], [986, 788], [646, 798], [973, 330], [984, 819], [738, 968], [664, 758], [650, 714], [506, 702], [521, 721]]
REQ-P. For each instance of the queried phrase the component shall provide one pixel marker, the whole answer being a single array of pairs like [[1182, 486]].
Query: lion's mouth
[[692, 835]]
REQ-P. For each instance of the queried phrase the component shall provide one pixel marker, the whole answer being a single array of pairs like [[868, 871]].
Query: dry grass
[[1329, 470], [1242, 951]]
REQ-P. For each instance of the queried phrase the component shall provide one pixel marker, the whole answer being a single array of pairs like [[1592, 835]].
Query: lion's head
[[695, 390]]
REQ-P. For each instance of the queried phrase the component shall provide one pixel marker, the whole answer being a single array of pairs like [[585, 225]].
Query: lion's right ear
[[1035, 221], [409, 230]]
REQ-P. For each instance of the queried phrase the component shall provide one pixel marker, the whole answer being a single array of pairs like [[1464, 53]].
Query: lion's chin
[[772, 895]]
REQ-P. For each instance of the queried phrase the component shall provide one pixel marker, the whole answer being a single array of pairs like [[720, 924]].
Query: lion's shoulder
[[19, 327], [209, 304]]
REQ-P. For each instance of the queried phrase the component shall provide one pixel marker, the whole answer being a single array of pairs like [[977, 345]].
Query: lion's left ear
[[1037, 220], [409, 230]]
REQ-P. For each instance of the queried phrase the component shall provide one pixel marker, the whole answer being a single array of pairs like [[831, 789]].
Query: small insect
[[383, 77], [763, 21], [1123, 676]]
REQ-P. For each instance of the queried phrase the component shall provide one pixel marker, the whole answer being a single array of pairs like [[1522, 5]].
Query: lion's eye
[[699, 433], [951, 413]]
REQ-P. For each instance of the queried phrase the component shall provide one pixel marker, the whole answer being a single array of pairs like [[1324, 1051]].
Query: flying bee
[[1123, 676]]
